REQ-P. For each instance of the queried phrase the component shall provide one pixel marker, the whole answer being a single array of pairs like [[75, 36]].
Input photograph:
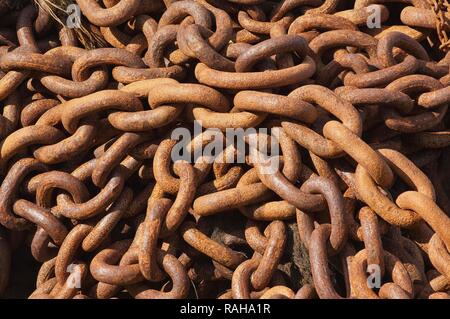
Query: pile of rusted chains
[[357, 207]]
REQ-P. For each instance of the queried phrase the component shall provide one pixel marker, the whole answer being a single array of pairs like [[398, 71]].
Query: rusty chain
[[356, 204]]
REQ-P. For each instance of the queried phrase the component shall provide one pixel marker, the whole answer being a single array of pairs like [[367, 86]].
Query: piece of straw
[[57, 9]]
